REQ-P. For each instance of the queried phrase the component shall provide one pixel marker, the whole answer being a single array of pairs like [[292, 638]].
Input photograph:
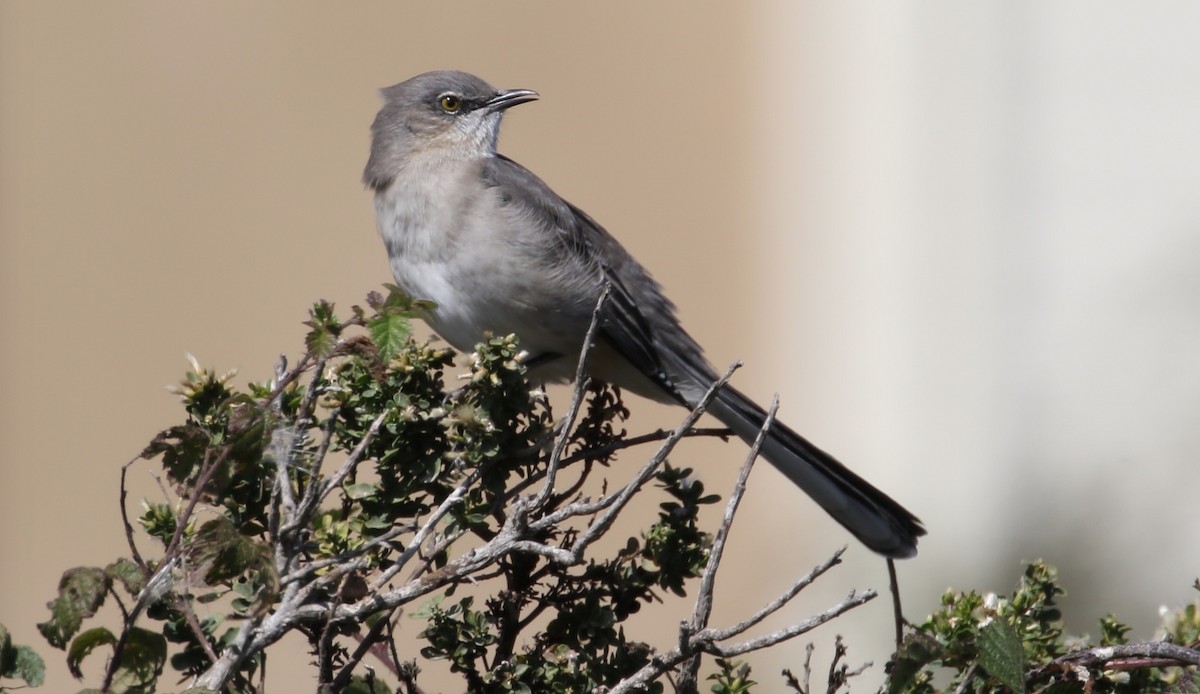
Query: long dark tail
[[872, 516]]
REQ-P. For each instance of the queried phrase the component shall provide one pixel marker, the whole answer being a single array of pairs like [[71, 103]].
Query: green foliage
[[584, 646], [325, 329], [733, 677], [389, 326], [459, 634], [158, 520], [1001, 654], [19, 662], [425, 460], [995, 644], [141, 661], [1183, 626], [675, 544], [81, 592], [373, 476]]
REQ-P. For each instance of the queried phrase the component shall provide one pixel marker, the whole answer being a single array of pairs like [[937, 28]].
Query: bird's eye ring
[[450, 103]]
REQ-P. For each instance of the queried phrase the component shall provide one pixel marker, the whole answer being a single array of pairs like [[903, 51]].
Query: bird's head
[[454, 115]]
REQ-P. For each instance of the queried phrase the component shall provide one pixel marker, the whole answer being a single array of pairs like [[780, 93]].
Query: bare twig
[[708, 579], [153, 590], [207, 469], [852, 600], [689, 680], [193, 622], [707, 641], [133, 550], [1127, 656], [786, 597], [426, 529], [661, 434], [170, 557], [601, 525], [615, 446], [312, 567], [839, 672], [965, 686], [335, 480], [581, 385], [282, 383], [281, 448]]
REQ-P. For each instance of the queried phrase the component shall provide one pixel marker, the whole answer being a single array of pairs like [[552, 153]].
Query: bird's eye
[[450, 103]]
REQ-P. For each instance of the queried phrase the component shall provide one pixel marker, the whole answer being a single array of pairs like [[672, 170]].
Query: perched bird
[[497, 250]]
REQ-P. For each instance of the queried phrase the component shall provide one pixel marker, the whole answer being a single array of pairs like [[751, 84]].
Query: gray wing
[[637, 320]]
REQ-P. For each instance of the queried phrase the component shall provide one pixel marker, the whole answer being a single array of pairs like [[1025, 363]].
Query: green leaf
[[320, 342], [128, 573], [389, 330], [142, 661], [80, 593], [361, 490], [8, 656], [159, 521], [84, 644], [1001, 654], [325, 329], [29, 666], [916, 652], [1112, 631], [182, 448], [20, 662], [225, 553]]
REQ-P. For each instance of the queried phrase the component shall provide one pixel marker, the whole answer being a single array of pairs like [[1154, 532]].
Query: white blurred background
[[960, 240]]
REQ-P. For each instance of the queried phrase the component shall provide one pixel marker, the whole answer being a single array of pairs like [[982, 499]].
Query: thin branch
[[193, 622], [289, 376], [324, 641], [661, 434], [312, 567], [414, 545], [615, 446], [316, 493], [1122, 657], [852, 601], [708, 579], [153, 590], [207, 469], [281, 450], [581, 385], [602, 524], [784, 598], [174, 549], [704, 598], [356, 456], [839, 675], [706, 641], [965, 686], [133, 550]]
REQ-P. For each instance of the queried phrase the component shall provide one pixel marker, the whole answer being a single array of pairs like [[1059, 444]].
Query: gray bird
[[497, 250]]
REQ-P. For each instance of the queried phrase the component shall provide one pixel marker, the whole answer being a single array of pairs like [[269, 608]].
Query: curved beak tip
[[512, 97]]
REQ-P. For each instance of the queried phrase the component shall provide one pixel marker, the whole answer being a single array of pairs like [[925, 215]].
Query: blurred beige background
[[961, 241]]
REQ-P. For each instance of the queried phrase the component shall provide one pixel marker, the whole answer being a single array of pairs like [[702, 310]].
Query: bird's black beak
[[509, 98]]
